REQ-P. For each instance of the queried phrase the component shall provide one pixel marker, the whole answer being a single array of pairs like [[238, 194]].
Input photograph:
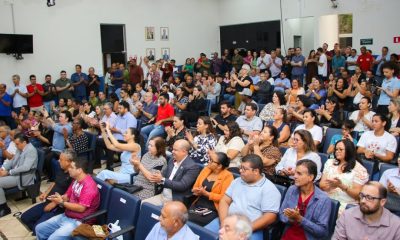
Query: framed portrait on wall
[[164, 33], [149, 33], [151, 54], [165, 53]]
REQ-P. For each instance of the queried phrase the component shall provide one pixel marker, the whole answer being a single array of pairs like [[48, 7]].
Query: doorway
[[296, 41], [113, 44]]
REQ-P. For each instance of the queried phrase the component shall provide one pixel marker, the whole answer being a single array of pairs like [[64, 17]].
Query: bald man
[[172, 223], [178, 177]]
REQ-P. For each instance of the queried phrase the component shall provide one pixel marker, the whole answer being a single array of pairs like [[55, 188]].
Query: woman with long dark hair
[[344, 176], [331, 115], [312, 66]]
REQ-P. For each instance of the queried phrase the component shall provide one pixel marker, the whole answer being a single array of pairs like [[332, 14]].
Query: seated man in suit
[[172, 223], [25, 159], [178, 177], [306, 209]]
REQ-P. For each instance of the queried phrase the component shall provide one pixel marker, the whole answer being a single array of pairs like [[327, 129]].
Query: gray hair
[[69, 154], [108, 104], [243, 225], [6, 128], [16, 76]]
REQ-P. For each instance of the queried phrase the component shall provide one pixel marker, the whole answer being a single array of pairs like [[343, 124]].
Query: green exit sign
[[366, 41]]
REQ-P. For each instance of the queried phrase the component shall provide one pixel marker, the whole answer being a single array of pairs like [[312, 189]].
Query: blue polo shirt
[[259, 198], [58, 137], [123, 123], [391, 85], [117, 74], [286, 83], [5, 111], [298, 70], [79, 90]]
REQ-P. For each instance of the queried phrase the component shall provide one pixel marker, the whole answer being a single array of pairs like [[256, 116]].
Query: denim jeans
[[47, 106], [214, 226], [230, 98], [151, 131], [56, 228], [36, 215]]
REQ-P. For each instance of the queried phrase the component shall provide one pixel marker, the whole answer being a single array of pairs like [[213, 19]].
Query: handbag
[[280, 180], [127, 187]]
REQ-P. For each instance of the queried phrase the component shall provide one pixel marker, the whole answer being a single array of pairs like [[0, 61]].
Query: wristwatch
[[61, 204], [162, 181]]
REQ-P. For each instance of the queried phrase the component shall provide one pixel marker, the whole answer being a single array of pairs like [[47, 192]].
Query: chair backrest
[[149, 215], [40, 164], [105, 192], [324, 157], [124, 207], [208, 107], [397, 153], [283, 150], [202, 232], [369, 165], [139, 125], [384, 167], [92, 140], [282, 190], [334, 216], [330, 132], [260, 108]]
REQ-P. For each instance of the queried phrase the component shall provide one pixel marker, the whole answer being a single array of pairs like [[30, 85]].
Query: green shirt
[[65, 93]]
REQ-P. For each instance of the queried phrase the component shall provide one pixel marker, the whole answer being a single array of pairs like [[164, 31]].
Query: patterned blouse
[[183, 100], [267, 113], [180, 135], [79, 143], [150, 163], [358, 175], [204, 143], [270, 152]]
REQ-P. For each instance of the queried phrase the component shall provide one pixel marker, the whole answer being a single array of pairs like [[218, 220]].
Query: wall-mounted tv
[[16, 43]]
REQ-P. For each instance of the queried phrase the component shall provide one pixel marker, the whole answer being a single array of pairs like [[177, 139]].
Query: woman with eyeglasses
[[204, 141], [265, 145], [330, 114], [231, 143], [209, 188], [311, 122], [378, 144], [347, 129], [344, 176], [303, 148], [131, 137]]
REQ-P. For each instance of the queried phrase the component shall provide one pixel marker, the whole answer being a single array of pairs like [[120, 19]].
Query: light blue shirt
[[123, 123], [259, 198], [391, 85], [286, 83], [378, 68], [158, 233], [58, 137], [392, 175], [255, 79]]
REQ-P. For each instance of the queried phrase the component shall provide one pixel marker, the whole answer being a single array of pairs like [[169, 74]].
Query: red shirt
[[295, 231], [165, 112], [135, 74], [364, 61], [36, 100]]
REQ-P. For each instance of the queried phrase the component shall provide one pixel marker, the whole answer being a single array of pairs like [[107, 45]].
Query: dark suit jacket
[[182, 183]]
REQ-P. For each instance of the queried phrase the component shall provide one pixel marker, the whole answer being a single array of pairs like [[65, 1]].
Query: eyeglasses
[[212, 161], [244, 169], [368, 197]]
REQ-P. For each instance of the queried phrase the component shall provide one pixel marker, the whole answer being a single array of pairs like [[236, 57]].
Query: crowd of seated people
[[268, 120]]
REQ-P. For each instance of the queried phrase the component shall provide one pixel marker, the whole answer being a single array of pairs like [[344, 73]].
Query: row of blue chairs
[[135, 219]]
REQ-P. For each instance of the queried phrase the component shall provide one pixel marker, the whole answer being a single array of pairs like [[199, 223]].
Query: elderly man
[[147, 110], [252, 194], [235, 227], [306, 208], [24, 160], [5, 141], [370, 220], [178, 177], [249, 123], [172, 224]]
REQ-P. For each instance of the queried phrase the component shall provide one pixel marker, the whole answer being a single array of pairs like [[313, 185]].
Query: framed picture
[[164, 33], [151, 54], [165, 53], [149, 33]]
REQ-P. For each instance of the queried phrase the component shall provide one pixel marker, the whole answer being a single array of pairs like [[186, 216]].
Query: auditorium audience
[[231, 143], [311, 125]]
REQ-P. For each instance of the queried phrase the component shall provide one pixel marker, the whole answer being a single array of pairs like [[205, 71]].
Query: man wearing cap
[[246, 98]]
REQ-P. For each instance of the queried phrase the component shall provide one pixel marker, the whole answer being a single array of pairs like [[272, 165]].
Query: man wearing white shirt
[[19, 93], [322, 64], [352, 62], [276, 65], [264, 61]]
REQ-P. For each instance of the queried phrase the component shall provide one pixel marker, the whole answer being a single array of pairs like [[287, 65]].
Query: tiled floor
[[12, 227]]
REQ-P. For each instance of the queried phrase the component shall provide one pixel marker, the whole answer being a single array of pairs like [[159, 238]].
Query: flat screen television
[[16, 43]]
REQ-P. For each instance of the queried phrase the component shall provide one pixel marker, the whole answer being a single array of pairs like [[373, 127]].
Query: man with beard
[[370, 220]]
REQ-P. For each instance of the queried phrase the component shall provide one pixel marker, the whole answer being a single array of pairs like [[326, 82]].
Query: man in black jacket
[[177, 177]]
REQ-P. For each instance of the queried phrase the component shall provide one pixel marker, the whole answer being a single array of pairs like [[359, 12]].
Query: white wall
[[69, 33], [328, 30], [375, 19], [303, 27]]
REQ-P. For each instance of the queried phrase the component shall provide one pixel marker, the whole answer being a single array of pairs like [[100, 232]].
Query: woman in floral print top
[[204, 141]]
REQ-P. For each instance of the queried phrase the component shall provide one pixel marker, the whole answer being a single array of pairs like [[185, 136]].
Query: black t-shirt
[[49, 87], [62, 182], [240, 88], [224, 121]]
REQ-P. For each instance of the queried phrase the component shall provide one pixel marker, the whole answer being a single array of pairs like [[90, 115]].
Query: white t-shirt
[[316, 132], [18, 100], [289, 160], [379, 145], [360, 125], [323, 70], [236, 143], [357, 98], [12, 148]]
